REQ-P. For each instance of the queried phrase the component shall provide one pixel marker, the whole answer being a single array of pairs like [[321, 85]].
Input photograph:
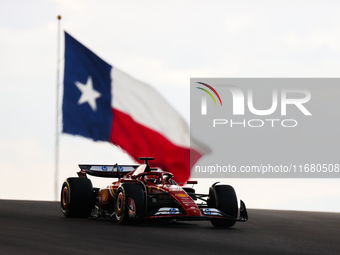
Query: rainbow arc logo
[[209, 93]]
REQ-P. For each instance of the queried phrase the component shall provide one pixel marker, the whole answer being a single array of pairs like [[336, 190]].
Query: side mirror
[[192, 182]]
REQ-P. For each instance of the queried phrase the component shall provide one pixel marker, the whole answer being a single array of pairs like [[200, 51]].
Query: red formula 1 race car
[[142, 192]]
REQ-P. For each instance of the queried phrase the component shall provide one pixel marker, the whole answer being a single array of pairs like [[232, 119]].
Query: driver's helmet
[[168, 180], [152, 178]]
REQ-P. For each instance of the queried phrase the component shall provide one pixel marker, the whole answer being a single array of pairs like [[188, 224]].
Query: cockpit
[[153, 177]]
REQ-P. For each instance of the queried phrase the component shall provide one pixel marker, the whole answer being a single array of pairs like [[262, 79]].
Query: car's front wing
[[207, 213]]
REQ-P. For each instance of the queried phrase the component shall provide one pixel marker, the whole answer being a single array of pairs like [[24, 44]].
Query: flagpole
[[56, 156]]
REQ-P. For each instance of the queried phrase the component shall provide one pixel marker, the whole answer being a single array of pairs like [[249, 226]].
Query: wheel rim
[[64, 197], [120, 203]]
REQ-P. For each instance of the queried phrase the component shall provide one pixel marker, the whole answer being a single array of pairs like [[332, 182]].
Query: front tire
[[130, 203], [77, 197], [224, 198]]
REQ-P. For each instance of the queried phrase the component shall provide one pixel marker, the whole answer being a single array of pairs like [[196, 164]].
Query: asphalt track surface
[[29, 227]]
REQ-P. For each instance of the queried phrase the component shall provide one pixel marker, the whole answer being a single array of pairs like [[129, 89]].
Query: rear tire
[[130, 203], [77, 197], [224, 198]]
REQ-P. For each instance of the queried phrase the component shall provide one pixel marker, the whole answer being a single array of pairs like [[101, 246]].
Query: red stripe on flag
[[140, 141]]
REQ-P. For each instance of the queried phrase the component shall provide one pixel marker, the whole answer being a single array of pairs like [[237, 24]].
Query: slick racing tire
[[77, 197], [130, 203], [224, 198]]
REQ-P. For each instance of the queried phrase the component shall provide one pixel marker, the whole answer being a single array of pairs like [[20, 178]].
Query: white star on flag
[[88, 94]]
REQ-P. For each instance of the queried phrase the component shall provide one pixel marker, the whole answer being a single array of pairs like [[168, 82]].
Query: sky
[[164, 44]]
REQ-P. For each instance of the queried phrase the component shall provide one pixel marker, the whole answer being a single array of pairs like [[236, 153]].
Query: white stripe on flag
[[148, 108]]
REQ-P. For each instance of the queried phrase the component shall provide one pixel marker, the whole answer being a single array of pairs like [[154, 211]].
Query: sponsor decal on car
[[175, 188], [173, 210], [104, 196], [211, 211], [112, 192], [167, 210], [101, 168], [132, 207]]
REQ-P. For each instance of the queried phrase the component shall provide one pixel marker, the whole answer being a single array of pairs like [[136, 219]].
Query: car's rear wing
[[111, 171]]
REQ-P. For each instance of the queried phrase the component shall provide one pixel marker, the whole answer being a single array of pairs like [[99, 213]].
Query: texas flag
[[102, 103]]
